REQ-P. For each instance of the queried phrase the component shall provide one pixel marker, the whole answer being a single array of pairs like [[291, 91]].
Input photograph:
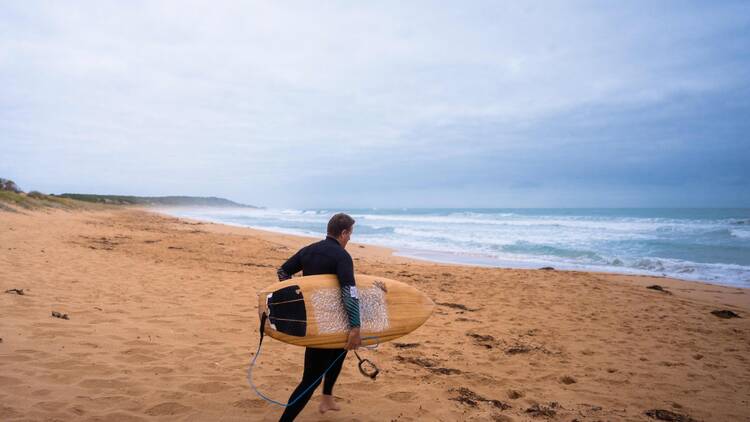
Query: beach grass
[[13, 202], [154, 200]]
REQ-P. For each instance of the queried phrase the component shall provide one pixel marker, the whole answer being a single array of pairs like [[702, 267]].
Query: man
[[325, 257]]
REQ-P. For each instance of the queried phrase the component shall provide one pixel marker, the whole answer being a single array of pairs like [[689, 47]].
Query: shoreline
[[163, 322], [686, 287], [419, 255]]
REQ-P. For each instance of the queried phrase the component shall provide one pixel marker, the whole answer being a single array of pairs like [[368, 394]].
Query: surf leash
[[368, 372], [367, 368]]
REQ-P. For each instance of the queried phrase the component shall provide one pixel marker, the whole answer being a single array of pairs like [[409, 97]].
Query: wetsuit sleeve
[[349, 294], [291, 266]]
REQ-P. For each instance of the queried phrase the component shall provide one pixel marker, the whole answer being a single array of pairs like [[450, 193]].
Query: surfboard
[[308, 311]]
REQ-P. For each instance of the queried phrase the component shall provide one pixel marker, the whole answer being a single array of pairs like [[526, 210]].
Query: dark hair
[[338, 223]]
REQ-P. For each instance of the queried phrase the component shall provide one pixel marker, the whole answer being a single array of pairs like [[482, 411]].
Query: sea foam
[[711, 245]]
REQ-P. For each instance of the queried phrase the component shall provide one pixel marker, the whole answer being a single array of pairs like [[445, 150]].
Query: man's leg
[[333, 374], [327, 403], [316, 361]]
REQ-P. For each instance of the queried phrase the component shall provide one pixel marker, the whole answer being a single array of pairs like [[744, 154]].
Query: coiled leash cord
[[371, 373]]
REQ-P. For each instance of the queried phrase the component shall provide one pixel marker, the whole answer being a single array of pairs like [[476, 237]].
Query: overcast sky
[[378, 104]]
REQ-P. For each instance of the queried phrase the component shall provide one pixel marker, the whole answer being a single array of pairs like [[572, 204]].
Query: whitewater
[[709, 245]]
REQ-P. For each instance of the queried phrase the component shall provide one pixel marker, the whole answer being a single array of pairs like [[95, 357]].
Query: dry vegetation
[[12, 199]]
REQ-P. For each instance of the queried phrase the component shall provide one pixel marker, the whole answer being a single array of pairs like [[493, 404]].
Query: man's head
[[340, 227]]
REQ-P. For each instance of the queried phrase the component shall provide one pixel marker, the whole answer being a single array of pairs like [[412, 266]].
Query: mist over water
[[711, 245]]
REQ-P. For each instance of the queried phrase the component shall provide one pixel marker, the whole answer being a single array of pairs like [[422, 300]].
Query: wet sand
[[162, 324]]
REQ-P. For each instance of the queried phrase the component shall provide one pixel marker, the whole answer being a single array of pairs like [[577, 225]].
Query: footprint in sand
[[102, 383], [114, 337], [249, 404], [117, 417], [112, 402], [160, 321], [364, 386], [50, 406], [401, 396], [57, 364], [167, 408], [15, 358], [7, 412], [211, 343], [136, 358], [30, 351], [8, 381], [171, 395], [206, 387], [77, 410], [139, 342], [286, 380], [159, 370], [140, 355], [66, 378]]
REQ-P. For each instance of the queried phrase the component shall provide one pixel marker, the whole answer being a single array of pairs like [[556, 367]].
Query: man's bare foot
[[327, 403]]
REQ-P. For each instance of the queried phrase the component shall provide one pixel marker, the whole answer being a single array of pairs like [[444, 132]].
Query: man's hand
[[354, 340]]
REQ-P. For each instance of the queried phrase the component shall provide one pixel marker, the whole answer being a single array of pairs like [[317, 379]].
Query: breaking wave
[[711, 245]]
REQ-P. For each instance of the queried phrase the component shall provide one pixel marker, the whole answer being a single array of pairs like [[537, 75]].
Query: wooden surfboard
[[308, 311]]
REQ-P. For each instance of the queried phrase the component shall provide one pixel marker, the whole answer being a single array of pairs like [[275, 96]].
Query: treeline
[[9, 185]]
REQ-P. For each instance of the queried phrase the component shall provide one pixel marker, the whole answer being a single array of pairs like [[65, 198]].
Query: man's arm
[[350, 298], [291, 266]]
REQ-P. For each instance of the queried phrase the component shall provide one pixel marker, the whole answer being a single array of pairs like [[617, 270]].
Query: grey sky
[[380, 104]]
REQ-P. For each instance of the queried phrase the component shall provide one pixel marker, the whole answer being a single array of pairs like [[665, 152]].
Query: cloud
[[295, 104]]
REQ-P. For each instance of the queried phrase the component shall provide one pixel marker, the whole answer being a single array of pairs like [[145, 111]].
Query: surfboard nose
[[429, 303], [427, 306]]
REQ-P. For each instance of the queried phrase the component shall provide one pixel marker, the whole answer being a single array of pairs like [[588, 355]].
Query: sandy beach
[[161, 325]]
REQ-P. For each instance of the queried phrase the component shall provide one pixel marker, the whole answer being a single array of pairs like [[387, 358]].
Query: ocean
[[709, 245]]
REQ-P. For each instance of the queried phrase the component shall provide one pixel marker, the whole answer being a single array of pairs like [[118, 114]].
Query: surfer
[[325, 257]]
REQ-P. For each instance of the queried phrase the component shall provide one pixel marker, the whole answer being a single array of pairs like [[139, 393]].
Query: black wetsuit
[[324, 257]]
